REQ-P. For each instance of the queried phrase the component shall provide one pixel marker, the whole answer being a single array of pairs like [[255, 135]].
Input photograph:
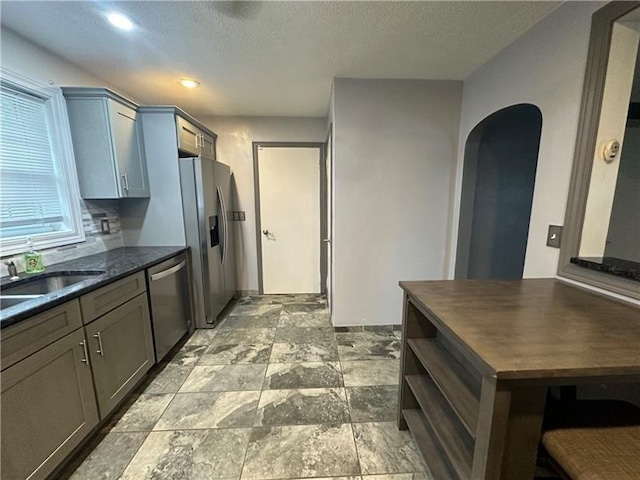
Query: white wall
[[29, 60], [395, 148], [544, 67], [21, 56], [234, 147]]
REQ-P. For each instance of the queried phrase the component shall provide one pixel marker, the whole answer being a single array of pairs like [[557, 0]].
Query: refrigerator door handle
[[225, 225], [226, 230]]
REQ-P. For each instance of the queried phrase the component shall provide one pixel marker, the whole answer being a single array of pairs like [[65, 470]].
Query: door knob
[[266, 232]]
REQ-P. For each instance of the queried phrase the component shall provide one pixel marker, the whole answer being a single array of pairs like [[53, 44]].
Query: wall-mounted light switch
[[554, 237], [238, 216]]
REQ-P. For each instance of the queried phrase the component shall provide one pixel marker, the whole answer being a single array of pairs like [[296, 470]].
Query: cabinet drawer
[[121, 351], [48, 408], [37, 332], [105, 299]]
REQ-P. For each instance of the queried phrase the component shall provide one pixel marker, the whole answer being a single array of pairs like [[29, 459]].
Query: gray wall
[[158, 220], [544, 67], [395, 144]]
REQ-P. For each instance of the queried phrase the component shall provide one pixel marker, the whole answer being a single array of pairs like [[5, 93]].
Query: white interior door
[[289, 185]]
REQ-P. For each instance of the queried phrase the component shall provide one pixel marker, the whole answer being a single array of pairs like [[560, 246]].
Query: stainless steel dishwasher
[[170, 295]]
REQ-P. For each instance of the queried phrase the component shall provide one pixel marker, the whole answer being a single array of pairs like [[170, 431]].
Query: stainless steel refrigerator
[[207, 205]]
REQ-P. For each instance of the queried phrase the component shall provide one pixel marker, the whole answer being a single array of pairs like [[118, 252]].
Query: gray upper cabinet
[[188, 136], [195, 141], [48, 408], [107, 143], [208, 146], [121, 351]]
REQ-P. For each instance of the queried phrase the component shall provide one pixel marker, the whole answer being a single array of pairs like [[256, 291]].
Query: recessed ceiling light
[[189, 83], [120, 21]]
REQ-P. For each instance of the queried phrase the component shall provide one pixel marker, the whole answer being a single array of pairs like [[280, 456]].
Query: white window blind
[[39, 195], [31, 182]]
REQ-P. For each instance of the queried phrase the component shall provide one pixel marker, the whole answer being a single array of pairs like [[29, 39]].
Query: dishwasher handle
[[168, 271]]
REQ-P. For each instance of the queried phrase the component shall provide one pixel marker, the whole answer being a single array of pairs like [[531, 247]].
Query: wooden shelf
[[417, 423], [457, 385], [444, 426]]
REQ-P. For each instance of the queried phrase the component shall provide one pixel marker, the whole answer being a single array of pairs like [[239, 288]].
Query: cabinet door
[[93, 148], [188, 137], [208, 145], [48, 407], [129, 150], [121, 351]]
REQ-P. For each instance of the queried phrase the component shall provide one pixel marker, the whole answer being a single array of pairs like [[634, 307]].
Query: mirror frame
[[590, 110]]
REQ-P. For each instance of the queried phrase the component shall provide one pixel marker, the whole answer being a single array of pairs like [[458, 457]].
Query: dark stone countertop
[[116, 264], [610, 265]]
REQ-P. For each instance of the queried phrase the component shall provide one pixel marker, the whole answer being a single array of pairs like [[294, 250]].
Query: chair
[[593, 439]]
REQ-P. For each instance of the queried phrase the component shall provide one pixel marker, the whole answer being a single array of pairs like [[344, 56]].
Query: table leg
[[508, 434]]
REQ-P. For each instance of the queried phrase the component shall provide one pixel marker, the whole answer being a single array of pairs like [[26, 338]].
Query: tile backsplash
[[96, 215]]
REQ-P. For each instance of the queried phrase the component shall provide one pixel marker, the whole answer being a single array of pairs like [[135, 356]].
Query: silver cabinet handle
[[83, 344], [100, 348], [326, 240], [168, 271], [125, 182]]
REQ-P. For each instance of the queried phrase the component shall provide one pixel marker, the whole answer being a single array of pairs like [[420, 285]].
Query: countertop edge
[[73, 293], [524, 376], [472, 356]]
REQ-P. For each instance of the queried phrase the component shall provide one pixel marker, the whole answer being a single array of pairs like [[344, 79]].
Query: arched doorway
[[501, 156]]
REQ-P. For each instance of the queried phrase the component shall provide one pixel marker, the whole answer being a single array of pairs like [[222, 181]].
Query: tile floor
[[272, 393]]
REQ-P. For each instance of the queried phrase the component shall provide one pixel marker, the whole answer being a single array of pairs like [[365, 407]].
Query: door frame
[[257, 146], [328, 220]]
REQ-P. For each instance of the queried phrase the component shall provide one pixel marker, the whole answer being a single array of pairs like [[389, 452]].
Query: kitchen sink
[[45, 283], [7, 301]]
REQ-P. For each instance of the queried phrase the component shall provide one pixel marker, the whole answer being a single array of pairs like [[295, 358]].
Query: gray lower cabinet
[[97, 303], [121, 351], [48, 408], [27, 337]]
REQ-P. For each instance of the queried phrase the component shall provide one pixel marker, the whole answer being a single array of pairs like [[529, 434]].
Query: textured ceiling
[[270, 58]]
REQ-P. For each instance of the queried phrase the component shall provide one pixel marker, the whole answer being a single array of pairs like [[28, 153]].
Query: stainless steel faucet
[[13, 271]]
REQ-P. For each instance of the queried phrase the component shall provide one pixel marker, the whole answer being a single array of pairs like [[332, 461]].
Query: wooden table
[[478, 356]]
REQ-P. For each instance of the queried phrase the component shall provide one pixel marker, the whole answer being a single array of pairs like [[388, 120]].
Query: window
[[38, 185]]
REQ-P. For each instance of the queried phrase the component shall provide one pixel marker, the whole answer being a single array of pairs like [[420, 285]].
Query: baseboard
[[367, 328]]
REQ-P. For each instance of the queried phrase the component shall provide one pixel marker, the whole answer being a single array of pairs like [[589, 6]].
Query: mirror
[[611, 228], [602, 225]]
